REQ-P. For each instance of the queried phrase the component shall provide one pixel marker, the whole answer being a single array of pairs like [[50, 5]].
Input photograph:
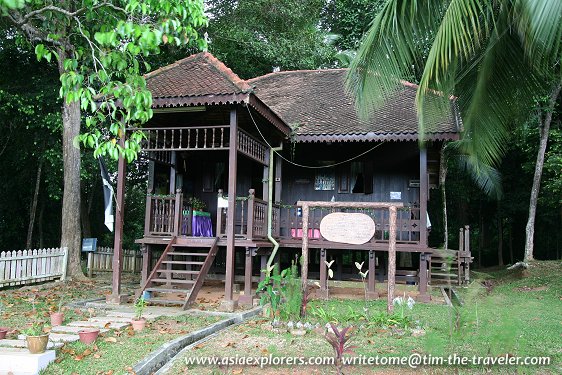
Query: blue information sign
[[89, 245]]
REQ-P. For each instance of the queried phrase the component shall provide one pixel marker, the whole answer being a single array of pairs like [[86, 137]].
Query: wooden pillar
[[117, 265], [339, 266], [278, 173], [323, 292], [265, 182], [422, 284], [248, 298], [229, 304], [391, 259], [304, 275], [173, 173], [263, 266], [424, 190], [145, 264], [371, 291]]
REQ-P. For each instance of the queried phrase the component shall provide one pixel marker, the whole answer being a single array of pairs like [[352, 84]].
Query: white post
[[64, 263]]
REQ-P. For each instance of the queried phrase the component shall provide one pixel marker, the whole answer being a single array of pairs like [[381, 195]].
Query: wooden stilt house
[[230, 158]]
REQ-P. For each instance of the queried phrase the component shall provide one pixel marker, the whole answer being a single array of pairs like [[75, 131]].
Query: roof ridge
[[238, 82], [255, 79], [172, 65], [281, 72]]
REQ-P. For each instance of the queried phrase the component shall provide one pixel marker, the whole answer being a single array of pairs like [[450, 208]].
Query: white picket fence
[[102, 258], [32, 266]]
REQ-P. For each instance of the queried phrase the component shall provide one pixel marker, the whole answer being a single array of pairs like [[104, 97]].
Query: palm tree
[[494, 58]]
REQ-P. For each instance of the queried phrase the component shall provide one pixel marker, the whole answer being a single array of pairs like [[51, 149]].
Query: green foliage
[[494, 57], [36, 329], [196, 203], [100, 52], [349, 20], [140, 305], [283, 292], [253, 36]]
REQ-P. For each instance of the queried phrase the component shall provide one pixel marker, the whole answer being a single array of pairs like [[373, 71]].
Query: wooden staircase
[[449, 267], [180, 271]]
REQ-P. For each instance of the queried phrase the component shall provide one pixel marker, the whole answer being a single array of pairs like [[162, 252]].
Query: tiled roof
[[315, 104], [199, 77]]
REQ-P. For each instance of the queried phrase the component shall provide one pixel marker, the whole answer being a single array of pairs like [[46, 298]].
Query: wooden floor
[[287, 243]]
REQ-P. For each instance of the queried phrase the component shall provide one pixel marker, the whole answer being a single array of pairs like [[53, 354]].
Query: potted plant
[[139, 322], [36, 338], [57, 316], [88, 335], [196, 204]]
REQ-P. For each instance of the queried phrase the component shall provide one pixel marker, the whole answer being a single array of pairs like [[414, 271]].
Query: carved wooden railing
[[187, 138], [167, 215], [407, 223], [200, 138], [160, 216], [251, 147], [250, 217]]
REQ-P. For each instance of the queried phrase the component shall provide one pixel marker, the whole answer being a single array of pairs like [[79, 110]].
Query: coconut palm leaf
[[494, 56]]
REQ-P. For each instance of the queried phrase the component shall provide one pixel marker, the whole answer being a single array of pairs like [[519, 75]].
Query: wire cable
[[303, 165]]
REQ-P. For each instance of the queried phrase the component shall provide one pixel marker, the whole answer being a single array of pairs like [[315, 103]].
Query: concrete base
[[372, 295], [20, 362], [423, 298], [322, 293], [246, 300], [228, 306], [116, 299]]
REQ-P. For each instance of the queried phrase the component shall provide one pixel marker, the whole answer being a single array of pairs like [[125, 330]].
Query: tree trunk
[[500, 238], [33, 209], [85, 207], [442, 179], [70, 230], [544, 129], [40, 224], [481, 234]]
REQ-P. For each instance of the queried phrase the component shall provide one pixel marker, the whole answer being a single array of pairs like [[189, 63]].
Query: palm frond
[[390, 49], [539, 23]]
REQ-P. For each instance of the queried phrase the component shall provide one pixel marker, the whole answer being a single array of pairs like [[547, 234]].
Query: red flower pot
[[88, 336], [56, 319], [3, 332], [138, 325]]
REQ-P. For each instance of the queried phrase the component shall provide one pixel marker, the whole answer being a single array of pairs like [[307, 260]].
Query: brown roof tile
[[314, 103], [195, 76]]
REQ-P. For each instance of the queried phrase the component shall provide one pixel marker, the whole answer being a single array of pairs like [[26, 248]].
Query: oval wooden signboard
[[351, 228]]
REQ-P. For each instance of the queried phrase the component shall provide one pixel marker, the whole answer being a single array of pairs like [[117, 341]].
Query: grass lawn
[[117, 352], [516, 315]]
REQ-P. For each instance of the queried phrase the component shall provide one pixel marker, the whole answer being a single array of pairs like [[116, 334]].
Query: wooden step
[[189, 254], [178, 271], [173, 281], [165, 301], [187, 262], [167, 290], [450, 275]]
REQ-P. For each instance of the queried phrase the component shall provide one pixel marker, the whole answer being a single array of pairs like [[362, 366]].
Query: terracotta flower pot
[[88, 336], [3, 332], [37, 344], [138, 325], [56, 319]]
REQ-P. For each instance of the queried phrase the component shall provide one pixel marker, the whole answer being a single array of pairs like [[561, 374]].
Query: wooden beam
[[278, 176], [247, 298], [265, 182], [391, 259], [371, 290], [117, 264], [304, 273], [173, 174], [424, 190], [230, 242], [323, 292]]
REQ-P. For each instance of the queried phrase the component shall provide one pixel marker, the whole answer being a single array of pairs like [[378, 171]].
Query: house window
[[361, 177]]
